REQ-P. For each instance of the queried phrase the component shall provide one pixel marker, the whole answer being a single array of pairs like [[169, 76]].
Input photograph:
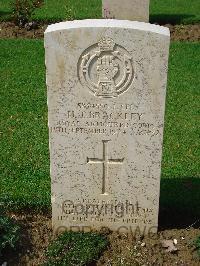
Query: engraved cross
[[105, 163]]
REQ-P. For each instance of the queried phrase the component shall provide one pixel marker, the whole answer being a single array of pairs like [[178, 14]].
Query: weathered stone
[[137, 10], [106, 84]]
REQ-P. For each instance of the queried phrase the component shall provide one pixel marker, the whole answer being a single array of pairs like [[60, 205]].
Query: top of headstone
[[108, 23]]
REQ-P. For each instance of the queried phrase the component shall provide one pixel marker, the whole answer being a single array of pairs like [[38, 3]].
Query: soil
[[10, 30], [184, 32], [36, 234], [125, 250], [178, 32]]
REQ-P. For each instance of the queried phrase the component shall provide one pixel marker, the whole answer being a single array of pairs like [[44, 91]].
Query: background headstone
[[137, 10], [106, 84]]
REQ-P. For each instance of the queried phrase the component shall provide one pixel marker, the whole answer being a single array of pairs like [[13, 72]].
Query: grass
[[197, 245], [25, 181], [72, 248], [161, 11], [24, 136], [52, 11], [175, 11], [181, 142]]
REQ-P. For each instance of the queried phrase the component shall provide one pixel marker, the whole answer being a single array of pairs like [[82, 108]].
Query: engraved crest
[[106, 69]]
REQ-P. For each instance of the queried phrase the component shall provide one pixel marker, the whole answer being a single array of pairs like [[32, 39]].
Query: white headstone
[[106, 84], [137, 10]]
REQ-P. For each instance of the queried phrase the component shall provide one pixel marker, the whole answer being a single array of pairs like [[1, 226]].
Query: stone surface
[[106, 83], [137, 10]]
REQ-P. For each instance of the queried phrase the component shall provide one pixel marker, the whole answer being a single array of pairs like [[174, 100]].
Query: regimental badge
[[106, 68]]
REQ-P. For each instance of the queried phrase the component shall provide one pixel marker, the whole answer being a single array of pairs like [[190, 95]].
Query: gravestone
[[137, 10], [106, 85]]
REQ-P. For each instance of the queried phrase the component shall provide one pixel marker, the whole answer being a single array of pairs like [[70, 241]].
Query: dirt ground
[[178, 32], [36, 234]]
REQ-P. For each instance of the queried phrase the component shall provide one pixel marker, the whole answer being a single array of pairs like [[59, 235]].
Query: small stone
[[175, 242], [143, 244], [169, 245]]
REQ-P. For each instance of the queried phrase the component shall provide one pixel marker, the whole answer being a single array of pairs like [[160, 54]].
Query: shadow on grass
[[170, 18], [5, 15], [179, 203]]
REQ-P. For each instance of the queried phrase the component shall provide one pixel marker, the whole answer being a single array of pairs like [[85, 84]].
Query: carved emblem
[[106, 69]]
